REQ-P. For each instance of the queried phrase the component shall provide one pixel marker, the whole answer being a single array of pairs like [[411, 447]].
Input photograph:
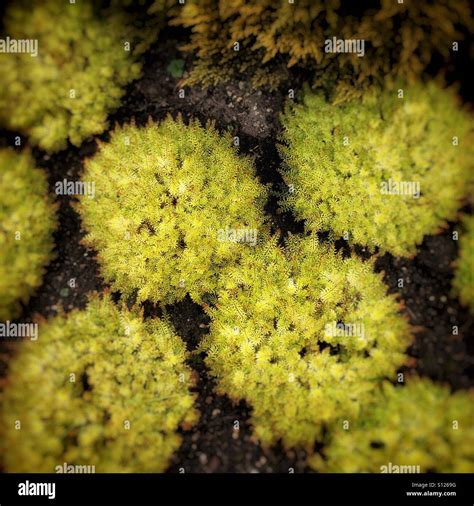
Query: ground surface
[[213, 445]]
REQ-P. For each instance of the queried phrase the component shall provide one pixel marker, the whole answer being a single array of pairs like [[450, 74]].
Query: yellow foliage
[[100, 387]]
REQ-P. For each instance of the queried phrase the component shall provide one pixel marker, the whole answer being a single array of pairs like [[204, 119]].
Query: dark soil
[[214, 445], [441, 353]]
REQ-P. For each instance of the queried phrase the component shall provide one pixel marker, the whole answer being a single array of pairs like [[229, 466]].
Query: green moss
[[420, 424], [27, 221], [274, 34], [166, 196], [463, 282], [273, 338], [345, 163], [79, 73], [176, 68], [100, 387]]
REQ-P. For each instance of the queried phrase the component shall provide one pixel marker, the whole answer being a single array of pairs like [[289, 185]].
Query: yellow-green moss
[[273, 341], [100, 387], [165, 195], [344, 163], [79, 73], [463, 282], [420, 424], [27, 221]]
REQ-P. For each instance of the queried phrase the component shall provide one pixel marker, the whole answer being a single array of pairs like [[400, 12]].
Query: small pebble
[[214, 464], [261, 461]]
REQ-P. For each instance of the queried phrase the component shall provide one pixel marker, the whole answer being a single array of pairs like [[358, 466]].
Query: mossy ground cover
[[51, 95], [214, 444], [101, 387]]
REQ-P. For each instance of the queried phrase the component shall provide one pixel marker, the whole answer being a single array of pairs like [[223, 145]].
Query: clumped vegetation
[[263, 30], [464, 274], [381, 172], [303, 331], [272, 35], [27, 221], [100, 387], [174, 205], [304, 336], [85, 57], [420, 424]]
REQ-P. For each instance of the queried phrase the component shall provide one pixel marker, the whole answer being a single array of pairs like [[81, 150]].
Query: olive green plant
[[100, 387], [383, 171], [464, 272], [259, 38], [73, 71], [245, 38], [420, 427], [174, 205], [27, 222], [304, 336]]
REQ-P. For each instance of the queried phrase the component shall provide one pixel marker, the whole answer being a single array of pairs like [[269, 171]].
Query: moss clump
[[100, 387], [82, 65], [402, 39], [381, 172], [304, 337], [174, 205], [27, 221], [420, 424], [263, 30], [464, 274], [272, 34]]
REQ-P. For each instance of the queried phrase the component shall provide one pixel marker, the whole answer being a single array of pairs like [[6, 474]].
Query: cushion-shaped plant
[[304, 337], [420, 427], [382, 171], [400, 39], [27, 221], [174, 204], [100, 387], [464, 274], [84, 58]]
